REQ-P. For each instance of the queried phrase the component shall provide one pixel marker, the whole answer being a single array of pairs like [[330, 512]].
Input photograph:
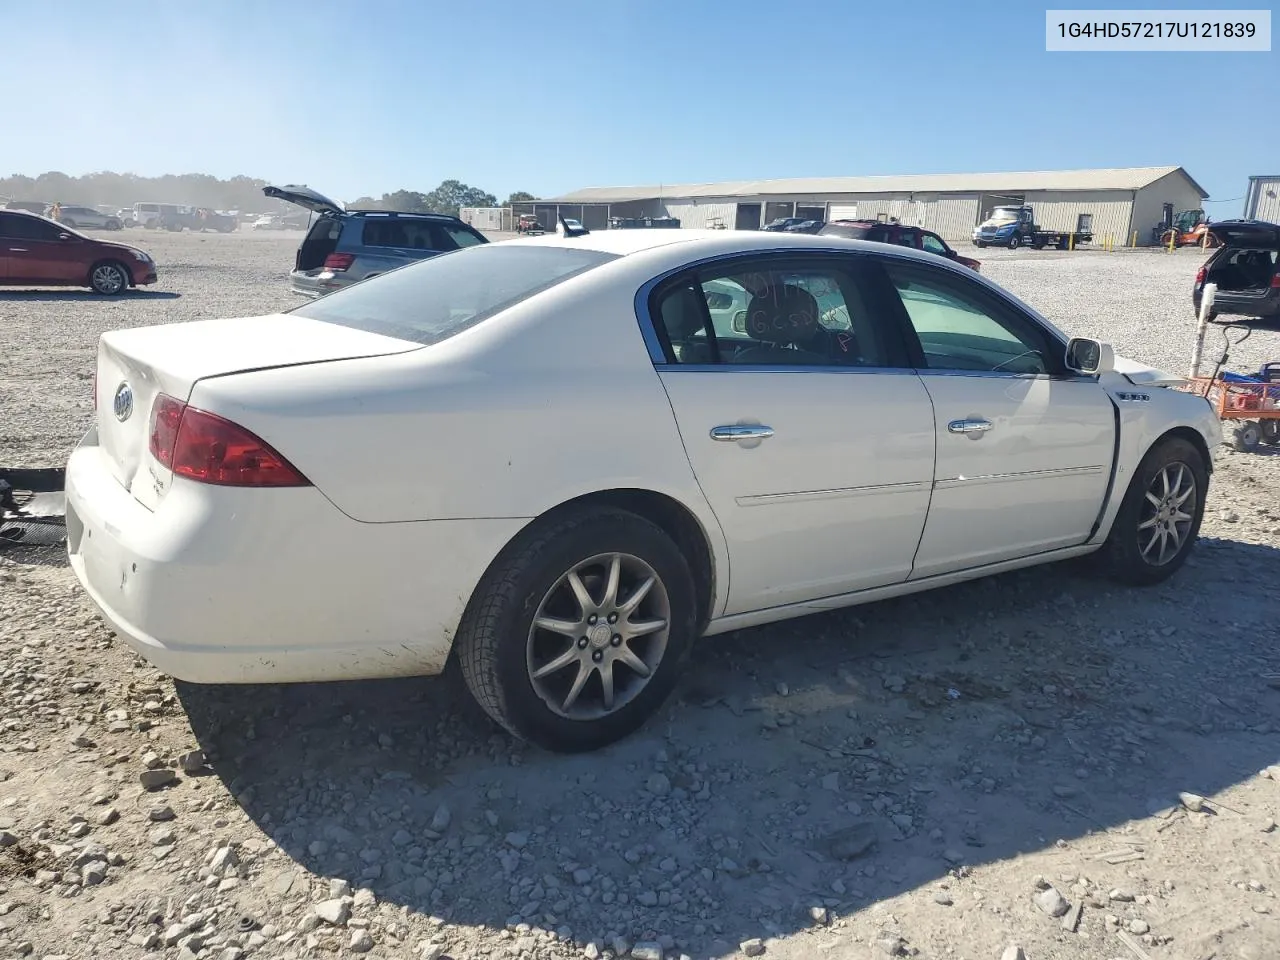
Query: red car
[[38, 252], [878, 231]]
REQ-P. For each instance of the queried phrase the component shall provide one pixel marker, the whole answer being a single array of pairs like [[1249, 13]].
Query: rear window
[[432, 300]]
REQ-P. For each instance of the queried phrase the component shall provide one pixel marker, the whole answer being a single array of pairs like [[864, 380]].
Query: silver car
[[343, 246]]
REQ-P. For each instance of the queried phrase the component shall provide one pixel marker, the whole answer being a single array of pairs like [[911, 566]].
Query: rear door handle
[[971, 426], [18, 250], [741, 431]]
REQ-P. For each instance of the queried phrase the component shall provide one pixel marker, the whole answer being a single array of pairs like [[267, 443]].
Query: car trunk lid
[[303, 196], [135, 366], [1247, 233]]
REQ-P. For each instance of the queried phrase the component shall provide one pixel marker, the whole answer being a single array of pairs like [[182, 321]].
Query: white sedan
[[564, 459]]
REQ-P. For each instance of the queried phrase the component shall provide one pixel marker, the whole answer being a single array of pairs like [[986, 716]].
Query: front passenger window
[[960, 329]]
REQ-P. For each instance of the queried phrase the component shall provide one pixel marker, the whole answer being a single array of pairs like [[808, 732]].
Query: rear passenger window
[[775, 313], [407, 234], [460, 236]]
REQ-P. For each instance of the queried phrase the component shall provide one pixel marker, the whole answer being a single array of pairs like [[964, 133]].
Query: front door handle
[[18, 250], [971, 426], [741, 431]]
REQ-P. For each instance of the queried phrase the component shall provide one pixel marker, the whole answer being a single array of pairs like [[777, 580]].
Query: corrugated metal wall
[[951, 217], [698, 215], [1060, 210], [1261, 206]]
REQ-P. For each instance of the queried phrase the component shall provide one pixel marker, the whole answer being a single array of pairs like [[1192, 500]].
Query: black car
[[1246, 269]]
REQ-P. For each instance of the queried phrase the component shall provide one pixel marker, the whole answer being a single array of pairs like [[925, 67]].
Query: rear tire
[[109, 278], [1271, 432], [509, 663], [1159, 518]]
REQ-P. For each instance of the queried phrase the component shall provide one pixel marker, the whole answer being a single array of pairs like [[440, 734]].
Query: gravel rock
[[646, 951], [1052, 902], [361, 941], [658, 784], [441, 818], [333, 912], [752, 948], [155, 779], [192, 762], [161, 813], [1013, 952], [1139, 927]]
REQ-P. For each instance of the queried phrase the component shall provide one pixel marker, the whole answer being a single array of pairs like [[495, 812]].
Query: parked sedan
[[38, 252], [548, 458]]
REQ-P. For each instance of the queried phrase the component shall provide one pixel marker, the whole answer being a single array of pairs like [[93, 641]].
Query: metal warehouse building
[[1262, 202], [1116, 202]]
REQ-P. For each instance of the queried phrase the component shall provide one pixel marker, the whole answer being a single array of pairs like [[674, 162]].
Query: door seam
[[933, 478]]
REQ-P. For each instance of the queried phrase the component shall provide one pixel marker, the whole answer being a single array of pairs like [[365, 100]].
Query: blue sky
[[368, 96]]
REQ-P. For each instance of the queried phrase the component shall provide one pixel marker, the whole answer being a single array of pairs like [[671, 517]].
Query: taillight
[[1275, 282], [339, 261], [1200, 275], [208, 449]]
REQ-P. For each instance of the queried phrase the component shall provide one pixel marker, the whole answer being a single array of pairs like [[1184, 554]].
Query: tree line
[[236, 193]]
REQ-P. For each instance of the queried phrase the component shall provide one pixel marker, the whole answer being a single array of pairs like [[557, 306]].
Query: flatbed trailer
[[1015, 227]]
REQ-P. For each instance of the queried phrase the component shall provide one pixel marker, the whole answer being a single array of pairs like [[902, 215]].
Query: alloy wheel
[[1168, 512], [598, 636], [107, 278]]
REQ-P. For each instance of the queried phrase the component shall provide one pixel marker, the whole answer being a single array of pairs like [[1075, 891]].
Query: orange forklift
[[1190, 228]]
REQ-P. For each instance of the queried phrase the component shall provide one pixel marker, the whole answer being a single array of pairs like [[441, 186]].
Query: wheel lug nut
[[597, 656], [582, 643], [592, 619], [613, 618], [616, 639]]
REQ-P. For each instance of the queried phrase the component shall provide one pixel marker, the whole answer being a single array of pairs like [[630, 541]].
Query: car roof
[[413, 215], [709, 242]]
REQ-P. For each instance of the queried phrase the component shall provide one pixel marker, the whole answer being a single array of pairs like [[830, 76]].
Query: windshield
[[432, 300], [1006, 213]]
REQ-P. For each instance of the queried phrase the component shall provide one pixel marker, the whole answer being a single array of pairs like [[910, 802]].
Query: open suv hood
[[303, 197], [1247, 233]]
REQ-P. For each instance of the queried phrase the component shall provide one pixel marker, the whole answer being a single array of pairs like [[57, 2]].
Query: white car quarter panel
[[835, 500], [510, 418], [1035, 481], [228, 585]]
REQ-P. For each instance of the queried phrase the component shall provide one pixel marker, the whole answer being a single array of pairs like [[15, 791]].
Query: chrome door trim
[[764, 499], [1025, 475]]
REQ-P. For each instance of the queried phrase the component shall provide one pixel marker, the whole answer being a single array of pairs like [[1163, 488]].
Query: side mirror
[[1089, 356]]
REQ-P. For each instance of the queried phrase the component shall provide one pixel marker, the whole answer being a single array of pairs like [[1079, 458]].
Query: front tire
[[109, 278], [577, 634], [1014, 242], [1159, 519]]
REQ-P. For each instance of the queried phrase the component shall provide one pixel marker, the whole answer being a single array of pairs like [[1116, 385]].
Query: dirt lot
[[935, 776]]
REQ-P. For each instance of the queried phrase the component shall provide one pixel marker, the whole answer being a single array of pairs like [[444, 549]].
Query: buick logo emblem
[[123, 402]]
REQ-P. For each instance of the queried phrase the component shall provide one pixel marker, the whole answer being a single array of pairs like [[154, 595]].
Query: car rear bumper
[[1242, 306], [227, 585], [311, 283]]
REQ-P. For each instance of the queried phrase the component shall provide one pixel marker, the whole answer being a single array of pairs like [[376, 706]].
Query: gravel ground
[[988, 769]]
